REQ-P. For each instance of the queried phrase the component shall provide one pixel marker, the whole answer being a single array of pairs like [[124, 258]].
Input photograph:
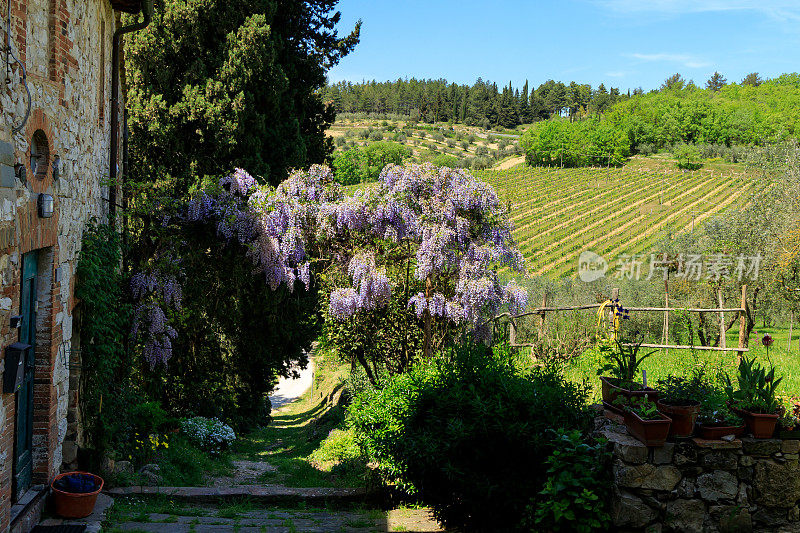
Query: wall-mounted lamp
[[56, 168], [21, 172], [45, 205]]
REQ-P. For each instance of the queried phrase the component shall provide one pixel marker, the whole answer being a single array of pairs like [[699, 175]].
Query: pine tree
[[219, 84], [716, 82]]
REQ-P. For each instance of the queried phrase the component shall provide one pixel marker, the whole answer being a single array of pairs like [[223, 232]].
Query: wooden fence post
[[666, 314], [723, 342], [541, 322], [512, 331], [742, 324], [791, 323]]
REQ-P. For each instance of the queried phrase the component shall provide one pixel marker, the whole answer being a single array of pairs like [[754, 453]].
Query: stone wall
[[66, 47], [695, 485]]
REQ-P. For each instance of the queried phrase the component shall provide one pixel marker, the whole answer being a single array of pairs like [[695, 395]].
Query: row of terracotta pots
[[680, 420]]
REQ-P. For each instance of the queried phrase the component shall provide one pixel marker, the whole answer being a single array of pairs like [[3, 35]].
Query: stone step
[[256, 493]]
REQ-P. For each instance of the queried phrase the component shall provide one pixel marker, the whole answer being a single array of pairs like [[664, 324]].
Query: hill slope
[[558, 213]]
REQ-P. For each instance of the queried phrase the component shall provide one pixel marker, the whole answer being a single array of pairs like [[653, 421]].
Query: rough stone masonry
[[63, 148], [696, 485]]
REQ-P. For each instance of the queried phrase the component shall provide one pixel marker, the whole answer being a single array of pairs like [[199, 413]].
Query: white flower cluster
[[208, 433]]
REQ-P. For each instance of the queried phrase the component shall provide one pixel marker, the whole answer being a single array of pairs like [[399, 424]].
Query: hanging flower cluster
[[154, 292], [454, 223], [458, 228]]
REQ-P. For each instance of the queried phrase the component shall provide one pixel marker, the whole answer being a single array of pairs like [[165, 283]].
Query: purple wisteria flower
[[455, 226]]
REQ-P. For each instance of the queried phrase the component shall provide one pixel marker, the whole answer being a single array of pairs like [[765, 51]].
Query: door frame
[[22, 464]]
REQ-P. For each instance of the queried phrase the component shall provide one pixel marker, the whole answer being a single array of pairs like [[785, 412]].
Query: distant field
[[558, 213], [472, 147]]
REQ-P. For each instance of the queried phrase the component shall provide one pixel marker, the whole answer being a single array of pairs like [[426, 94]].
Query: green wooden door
[[23, 460]]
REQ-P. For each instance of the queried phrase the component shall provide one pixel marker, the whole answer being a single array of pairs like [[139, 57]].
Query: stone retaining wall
[[696, 485]]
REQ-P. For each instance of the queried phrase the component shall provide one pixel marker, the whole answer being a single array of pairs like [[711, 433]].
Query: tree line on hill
[[485, 104], [482, 104], [721, 119]]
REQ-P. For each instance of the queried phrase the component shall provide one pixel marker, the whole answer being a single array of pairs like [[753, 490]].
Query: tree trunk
[[428, 320]]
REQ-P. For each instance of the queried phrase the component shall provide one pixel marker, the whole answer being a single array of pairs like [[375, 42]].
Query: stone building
[[55, 144]]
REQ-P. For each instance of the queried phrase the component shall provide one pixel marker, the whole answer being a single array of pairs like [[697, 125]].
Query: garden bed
[[693, 484]]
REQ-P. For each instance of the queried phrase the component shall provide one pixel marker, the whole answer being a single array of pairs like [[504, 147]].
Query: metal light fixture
[[45, 203]]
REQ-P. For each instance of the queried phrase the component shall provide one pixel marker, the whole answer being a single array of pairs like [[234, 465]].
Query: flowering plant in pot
[[716, 420], [755, 398], [680, 398], [75, 493], [620, 368], [789, 422], [644, 421]]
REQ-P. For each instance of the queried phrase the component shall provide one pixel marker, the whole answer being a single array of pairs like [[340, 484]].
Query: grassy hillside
[[558, 213], [465, 146]]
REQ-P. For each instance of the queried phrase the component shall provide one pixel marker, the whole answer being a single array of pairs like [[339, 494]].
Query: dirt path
[[290, 389], [512, 162]]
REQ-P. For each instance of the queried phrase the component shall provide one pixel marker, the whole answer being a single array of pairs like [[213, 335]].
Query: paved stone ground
[[276, 520], [92, 522], [203, 508], [253, 493]]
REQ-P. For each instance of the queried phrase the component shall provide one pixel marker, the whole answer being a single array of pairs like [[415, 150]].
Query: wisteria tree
[[422, 246], [440, 235], [222, 308]]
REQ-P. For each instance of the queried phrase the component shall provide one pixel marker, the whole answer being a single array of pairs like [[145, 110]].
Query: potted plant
[[755, 397], [789, 423], [75, 493], [644, 421], [716, 420], [621, 366], [680, 398]]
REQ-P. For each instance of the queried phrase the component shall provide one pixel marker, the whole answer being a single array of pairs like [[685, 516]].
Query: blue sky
[[622, 43]]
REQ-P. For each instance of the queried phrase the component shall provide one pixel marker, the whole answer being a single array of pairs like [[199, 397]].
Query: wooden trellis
[[741, 311]]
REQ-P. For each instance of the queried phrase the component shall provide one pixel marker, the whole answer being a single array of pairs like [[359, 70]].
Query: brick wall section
[[67, 99]]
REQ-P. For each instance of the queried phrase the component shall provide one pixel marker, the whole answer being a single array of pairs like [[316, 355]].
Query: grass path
[[290, 443]]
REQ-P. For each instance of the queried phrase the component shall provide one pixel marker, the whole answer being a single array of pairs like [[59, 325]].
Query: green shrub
[[467, 433], [105, 320], [575, 144], [446, 160], [688, 156], [366, 163], [578, 477], [148, 417]]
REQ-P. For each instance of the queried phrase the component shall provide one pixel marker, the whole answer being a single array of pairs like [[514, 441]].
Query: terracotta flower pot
[[611, 390], [650, 432], [683, 417], [710, 432], [761, 425], [75, 504]]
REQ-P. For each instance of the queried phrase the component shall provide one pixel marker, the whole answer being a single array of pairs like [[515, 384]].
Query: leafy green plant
[[466, 432], [677, 390], [573, 496], [621, 359], [640, 405], [714, 411], [105, 318], [757, 387]]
